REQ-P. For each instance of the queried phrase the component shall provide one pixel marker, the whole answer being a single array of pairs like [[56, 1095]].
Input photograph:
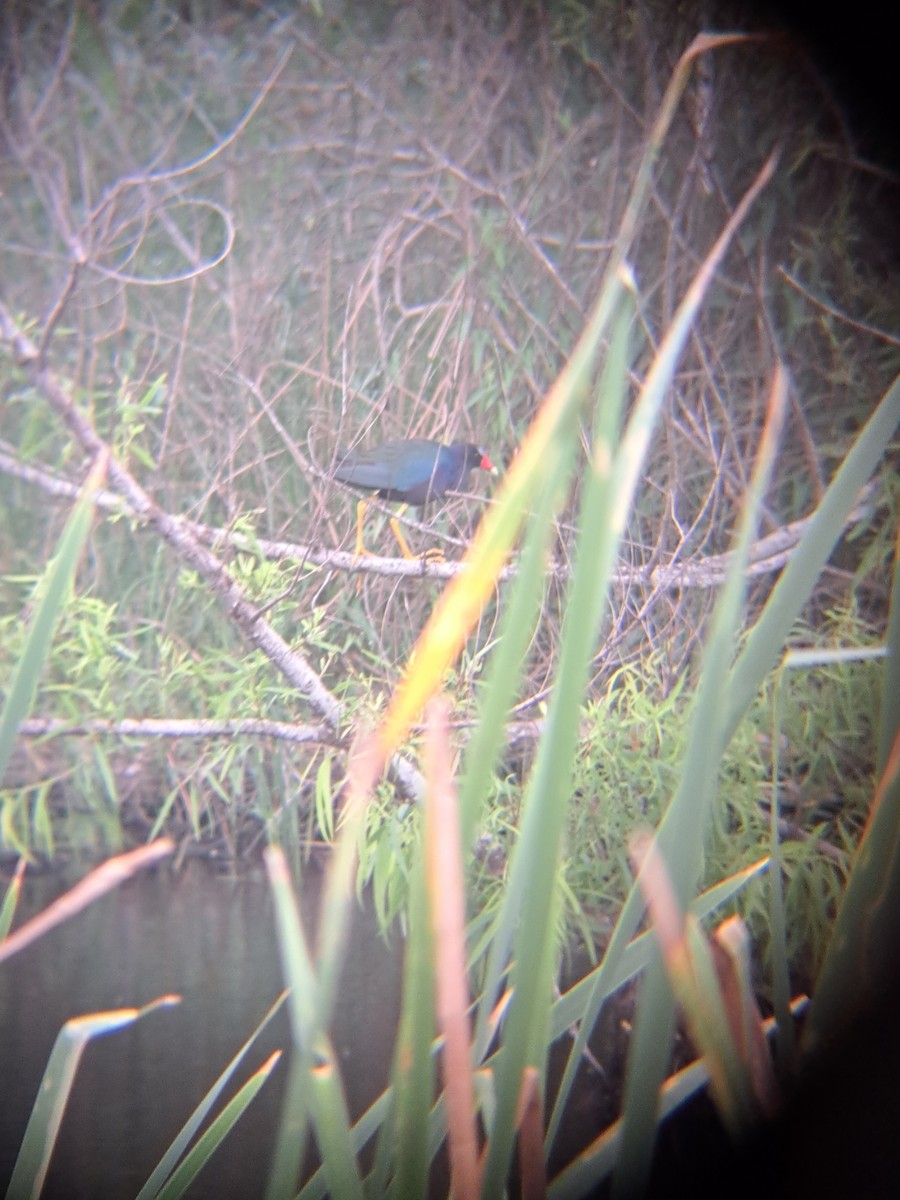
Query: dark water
[[212, 940]]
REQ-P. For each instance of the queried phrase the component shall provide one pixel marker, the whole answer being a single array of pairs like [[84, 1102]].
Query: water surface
[[211, 939]]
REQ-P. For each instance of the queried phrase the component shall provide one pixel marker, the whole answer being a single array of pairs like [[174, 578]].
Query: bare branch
[[768, 555], [152, 727]]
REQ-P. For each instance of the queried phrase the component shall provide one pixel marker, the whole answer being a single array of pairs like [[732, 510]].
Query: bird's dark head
[[476, 457]]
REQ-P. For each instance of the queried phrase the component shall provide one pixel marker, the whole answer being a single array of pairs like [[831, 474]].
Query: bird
[[412, 471]]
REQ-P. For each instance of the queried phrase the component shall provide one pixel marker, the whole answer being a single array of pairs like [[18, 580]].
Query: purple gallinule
[[413, 471]]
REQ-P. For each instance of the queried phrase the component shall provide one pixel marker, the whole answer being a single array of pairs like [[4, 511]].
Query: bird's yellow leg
[[432, 555], [360, 517], [398, 532]]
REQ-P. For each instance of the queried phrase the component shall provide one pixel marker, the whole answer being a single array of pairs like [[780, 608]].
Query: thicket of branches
[[233, 248]]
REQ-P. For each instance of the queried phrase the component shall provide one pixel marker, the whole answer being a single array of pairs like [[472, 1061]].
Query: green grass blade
[[413, 1063], [596, 566], [11, 900], [378, 1114], [693, 977], [200, 1155], [890, 689], [293, 1131], [338, 894], [314, 1089], [531, 897], [682, 829], [791, 592], [290, 1145], [480, 758], [633, 449], [333, 1133], [57, 587], [786, 1042], [863, 944], [46, 1117], [167, 1164], [507, 660]]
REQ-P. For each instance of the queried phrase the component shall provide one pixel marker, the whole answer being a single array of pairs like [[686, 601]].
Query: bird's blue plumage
[[412, 471]]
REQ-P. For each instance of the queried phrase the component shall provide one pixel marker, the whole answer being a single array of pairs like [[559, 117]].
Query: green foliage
[[388, 847]]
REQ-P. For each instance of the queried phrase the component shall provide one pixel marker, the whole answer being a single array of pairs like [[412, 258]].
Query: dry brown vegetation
[[324, 231]]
